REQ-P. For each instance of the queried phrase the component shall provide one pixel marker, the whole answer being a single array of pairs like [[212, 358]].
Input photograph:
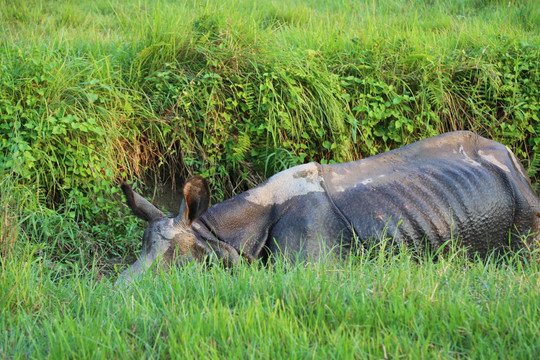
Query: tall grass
[[95, 92], [92, 92], [368, 307]]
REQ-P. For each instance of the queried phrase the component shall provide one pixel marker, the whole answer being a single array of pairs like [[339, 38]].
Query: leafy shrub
[[143, 95]]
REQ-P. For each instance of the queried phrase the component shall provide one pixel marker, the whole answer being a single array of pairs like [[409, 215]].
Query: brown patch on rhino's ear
[[196, 197]]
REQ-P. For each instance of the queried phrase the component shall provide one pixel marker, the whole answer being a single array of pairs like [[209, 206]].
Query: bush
[[99, 93]]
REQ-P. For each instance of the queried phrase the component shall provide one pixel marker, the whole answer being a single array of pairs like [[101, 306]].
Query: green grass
[[93, 92], [369, 307]]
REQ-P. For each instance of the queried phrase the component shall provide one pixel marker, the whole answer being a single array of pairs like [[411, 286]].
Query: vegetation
[[93, 92], [368, 307]]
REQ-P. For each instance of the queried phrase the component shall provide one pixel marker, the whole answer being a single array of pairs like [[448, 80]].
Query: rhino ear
[[141, 207], [196, 200]]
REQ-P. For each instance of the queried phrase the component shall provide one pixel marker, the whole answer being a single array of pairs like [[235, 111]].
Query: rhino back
[[456, 185]]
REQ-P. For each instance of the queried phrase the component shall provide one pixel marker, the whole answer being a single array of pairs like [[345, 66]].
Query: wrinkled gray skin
[[456, 185]]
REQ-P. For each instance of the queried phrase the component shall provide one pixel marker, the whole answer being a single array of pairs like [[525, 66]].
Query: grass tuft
[[92, 93], [373, 306]]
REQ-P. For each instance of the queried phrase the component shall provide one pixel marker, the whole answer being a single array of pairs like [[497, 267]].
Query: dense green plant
[[371, 306], [94, 93]]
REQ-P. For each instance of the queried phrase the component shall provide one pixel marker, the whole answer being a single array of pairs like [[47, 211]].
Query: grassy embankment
[[91, 92]]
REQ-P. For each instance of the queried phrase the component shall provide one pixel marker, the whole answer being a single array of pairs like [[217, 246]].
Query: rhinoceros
[[457, 185]]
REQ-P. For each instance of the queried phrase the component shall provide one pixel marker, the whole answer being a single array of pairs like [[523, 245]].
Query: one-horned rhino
[[455, 185]]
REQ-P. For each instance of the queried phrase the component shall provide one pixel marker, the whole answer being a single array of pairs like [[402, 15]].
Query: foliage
[[95, 92], [92, 93], [372, 306]]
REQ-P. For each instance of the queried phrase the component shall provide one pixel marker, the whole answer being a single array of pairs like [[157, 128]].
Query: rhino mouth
[[144, 263], [132, 272]]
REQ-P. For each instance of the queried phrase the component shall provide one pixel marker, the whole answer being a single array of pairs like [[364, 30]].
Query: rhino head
[[173, 239]]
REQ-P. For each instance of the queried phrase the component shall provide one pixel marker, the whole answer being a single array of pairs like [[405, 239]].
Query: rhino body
[[456, 185]]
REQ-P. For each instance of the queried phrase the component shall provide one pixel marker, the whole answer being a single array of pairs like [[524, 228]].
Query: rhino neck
[[211, 242], [245, 222]]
